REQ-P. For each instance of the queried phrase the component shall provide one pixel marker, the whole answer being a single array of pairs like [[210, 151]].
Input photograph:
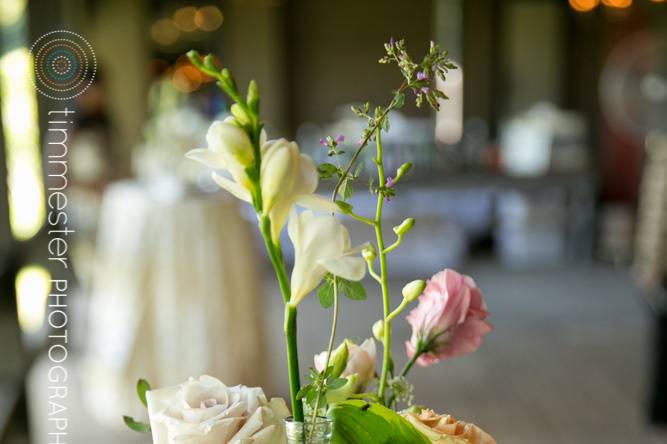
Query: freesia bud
[[228, 81], [209, 63], [253, 96], [378, 330], [239, 114], [402, 171], [369, 254], [225, 138], [405, 226], [412, 290]]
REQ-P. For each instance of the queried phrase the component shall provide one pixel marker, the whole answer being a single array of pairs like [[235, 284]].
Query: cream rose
[[360, 362], [444, 429], [205, 411]]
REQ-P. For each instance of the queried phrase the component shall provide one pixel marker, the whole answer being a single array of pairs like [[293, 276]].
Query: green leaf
[[345, 207], [137, 426], [400, 100], [142, 387], [327, 170], [346, 188], [352, 289], [326, 294], [357, 421], [335, 383], [304, 391], [358, 170]]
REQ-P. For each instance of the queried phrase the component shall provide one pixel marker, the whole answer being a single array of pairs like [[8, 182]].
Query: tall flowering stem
[[418, 78], [246, 112], [386, 340]]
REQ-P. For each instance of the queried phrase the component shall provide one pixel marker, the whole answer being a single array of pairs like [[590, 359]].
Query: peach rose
[[444, 429]]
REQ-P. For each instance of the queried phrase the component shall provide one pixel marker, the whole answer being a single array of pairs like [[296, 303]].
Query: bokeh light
[[33, 284], [209, 18], [184, 18], [584, 5], [165, 32], [186, 78], [617, 3], [21, 134], [11, 11]]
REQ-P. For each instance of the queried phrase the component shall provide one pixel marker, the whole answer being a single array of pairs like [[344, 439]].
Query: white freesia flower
[[360, 363], [205, 411], [287, 176], [229, 150], [321, 245]]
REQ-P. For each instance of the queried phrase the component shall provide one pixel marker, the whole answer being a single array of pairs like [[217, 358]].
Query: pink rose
[[449, 319]]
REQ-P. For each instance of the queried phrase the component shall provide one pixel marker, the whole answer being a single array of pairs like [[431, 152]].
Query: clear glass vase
[[320, 432]]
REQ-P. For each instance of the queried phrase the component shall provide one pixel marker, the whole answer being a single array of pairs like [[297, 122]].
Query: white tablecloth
[[175, 294]]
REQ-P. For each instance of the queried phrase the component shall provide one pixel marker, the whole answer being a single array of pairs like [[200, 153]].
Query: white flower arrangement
[[275, 177]]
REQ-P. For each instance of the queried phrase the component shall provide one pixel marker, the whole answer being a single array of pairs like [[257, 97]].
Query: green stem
[[386, 359], [360, 218], [376, 127], [410, 363], [293, 361], [404, 373], [332, 337], [397, 311], [395, 245], [275, 254]]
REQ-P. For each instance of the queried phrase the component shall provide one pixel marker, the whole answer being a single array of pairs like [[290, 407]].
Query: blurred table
[[174, 295]]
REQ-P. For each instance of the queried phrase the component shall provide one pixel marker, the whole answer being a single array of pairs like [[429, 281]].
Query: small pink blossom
[[449, 319]]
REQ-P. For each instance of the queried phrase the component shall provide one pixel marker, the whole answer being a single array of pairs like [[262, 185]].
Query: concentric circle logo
[[65, 64]]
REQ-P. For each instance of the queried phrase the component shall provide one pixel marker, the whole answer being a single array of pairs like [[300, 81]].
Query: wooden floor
[[566, 364]]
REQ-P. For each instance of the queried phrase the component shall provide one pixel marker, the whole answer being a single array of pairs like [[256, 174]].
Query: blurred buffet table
[[173, 274]]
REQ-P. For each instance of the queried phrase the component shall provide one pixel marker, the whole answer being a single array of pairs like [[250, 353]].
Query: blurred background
[[544, 177]]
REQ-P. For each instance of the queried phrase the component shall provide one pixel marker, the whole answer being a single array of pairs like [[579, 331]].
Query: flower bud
[[231, 141], [378, 330], [240, 115], [209, 63], [402, 171], [339, 359], [343, 393], [253, 96], [413, 289], [369, 254], [405, 226], [280, 168]]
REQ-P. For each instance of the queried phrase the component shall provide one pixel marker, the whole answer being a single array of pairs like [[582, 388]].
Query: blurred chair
[[175, 294]]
